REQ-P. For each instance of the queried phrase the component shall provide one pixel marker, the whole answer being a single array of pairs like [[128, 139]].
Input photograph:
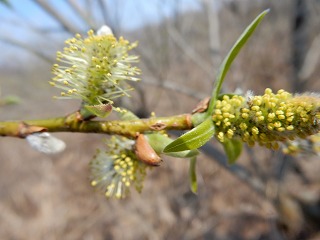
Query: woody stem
[[71, 123]]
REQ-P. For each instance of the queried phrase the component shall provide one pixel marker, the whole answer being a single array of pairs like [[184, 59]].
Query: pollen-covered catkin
[[115, 170], [95, 68], [267, 119]]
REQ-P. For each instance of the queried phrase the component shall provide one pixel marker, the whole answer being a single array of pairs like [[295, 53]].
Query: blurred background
[[266, 195]]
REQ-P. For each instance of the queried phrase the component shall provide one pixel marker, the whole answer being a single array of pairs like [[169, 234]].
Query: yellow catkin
[[267, 119]]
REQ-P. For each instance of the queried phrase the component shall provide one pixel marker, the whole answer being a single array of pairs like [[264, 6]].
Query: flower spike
[[96, 68], [267, 119], [114, 171]]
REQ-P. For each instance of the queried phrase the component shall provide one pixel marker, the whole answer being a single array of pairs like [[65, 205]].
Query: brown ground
[[49, 197]]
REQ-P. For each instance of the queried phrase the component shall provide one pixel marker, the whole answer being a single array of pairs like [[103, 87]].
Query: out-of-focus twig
[[299, 42], [81, 13], [175, 87], [311, 60], [65, 23], [188, 50], [214, 33], [26, 47], [103, 7]]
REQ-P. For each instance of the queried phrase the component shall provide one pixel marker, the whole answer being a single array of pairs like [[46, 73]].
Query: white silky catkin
[[45, 143]]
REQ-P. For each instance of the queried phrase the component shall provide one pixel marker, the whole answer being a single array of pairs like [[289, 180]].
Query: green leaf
[[127, 115], [158, 142], [184, 154], [102, 110], [193, 175], [233, 149], [225, 65], [193, 139]]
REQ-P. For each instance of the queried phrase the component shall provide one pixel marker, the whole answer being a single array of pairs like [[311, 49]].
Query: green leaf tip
[[193, 175], [193, 139], [158, 142], [226, 64], [233, 149]]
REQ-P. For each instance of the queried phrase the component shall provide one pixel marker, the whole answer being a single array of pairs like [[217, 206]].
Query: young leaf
[[193, 139], [127, 115], [102, 110], [184, 154], [158, 142], [193, 175], [225, 65], [233, 148]]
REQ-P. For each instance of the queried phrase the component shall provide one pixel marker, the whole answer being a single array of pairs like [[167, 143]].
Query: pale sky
[[25, 18]]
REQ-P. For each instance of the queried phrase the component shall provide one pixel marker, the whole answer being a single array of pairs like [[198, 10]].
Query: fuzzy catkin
[[95, 68], [267, 119]]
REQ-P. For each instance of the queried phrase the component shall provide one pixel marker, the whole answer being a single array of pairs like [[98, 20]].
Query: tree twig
[[66, 24], [72, 123]]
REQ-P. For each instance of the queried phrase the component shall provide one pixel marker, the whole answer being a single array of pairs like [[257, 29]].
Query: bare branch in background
[[36, 51], [188, 50], [174, 87], [81, 13], [311, 60], [103, 7], [65, 23], [214, 32], [113, 23], [299, 42]]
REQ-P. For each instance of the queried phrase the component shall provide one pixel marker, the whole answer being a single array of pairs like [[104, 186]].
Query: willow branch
[[72, 123]]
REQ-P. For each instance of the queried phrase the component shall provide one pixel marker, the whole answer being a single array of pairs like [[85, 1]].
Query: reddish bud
[[145, 153]]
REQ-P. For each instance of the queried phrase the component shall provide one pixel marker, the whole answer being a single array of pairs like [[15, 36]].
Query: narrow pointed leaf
[[233, 149], [224, 67], [193, 139], [193, 175], [158, 142]]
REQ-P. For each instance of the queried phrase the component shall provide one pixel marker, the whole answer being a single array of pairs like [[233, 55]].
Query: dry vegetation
[[49, 197]]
